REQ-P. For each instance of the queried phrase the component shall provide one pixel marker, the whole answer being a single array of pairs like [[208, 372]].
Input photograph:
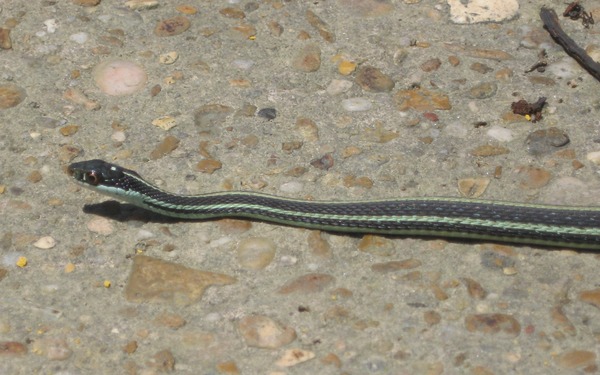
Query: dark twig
[[550, 20]]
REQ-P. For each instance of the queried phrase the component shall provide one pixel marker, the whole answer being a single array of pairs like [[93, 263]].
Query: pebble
[[356, 104], [172, 26], [532, 177], [573, 359], [308, 129], [210, 115], [431, 65], [208, 166], [79, 38], [500, 133], [52, 348], [163, 361], [292, 187], [263, 332], [292, 357], [307, 59], [338, 86], [321, 26], [168, 58], [493, 324], [591, 296], [566, 68], [168, 145], [141, 4], [78, 97], [473, 187], [255, 253], [377, 245], [373, 80], [309, 283], [546, 141], [489, 150], [100, 225], [5, 41], [477, 11], [594, 157], [119, 77], [11, 95], [12, 348], [483, 90], [268, 113], [165, 122], [422, 100], [155, 280], [396, 265], [45, 243]]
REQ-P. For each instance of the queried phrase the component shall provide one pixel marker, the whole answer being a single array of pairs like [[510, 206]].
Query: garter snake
[[531, 224]]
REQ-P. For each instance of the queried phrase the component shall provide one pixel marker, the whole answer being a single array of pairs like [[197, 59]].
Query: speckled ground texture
[[335, 99]]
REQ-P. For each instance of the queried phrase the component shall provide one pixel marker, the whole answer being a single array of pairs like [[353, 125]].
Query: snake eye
[[92, 178]]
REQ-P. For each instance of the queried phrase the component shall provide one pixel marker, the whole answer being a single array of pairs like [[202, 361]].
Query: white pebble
[[291, 187], [456, 129], [143, 235], [356, 104], [243, 64], [500, 134], [566, 68], [79, 38], [45, 242], [338, 86], [100, 225], [51, 25], [594, 157], [118, 136]]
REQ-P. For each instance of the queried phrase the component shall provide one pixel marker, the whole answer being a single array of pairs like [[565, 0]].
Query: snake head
[[97, 172]]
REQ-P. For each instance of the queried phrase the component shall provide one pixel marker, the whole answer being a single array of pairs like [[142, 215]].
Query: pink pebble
[[119, 77]]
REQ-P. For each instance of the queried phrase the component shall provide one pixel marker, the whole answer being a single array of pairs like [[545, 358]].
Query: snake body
[[482, 220]]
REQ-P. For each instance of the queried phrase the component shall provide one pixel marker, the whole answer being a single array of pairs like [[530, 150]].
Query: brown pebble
[[396, 265], [332, 360], [34, 177], [173, 321], [532, 177], [377, 245], [208, 166], [5, 41], [318, 245], [573, 359], [307, 59], [3, 274], [489, 150], [453, 60], [504, 74], [474, 288], [275, 28], [263, 332], [130, 347], [12, 348], [290, 146], [165, 147], [432, 317], [353, 181], [324, 163], [172, 26], [431, 65], [228, 367], [155, 280], [562, 321], [163, 361], [231, 12], [591, 296], [309, 283], [480, 68], [473, 187], [68, 130], [493, 324], [321, 26], [483, 90], [308, 129], [210, 115], [421, 100], [373, 80], [11, 95], [155, 90], [86, 3]]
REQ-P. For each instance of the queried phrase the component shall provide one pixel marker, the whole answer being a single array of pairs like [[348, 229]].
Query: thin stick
[[550, 20]]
